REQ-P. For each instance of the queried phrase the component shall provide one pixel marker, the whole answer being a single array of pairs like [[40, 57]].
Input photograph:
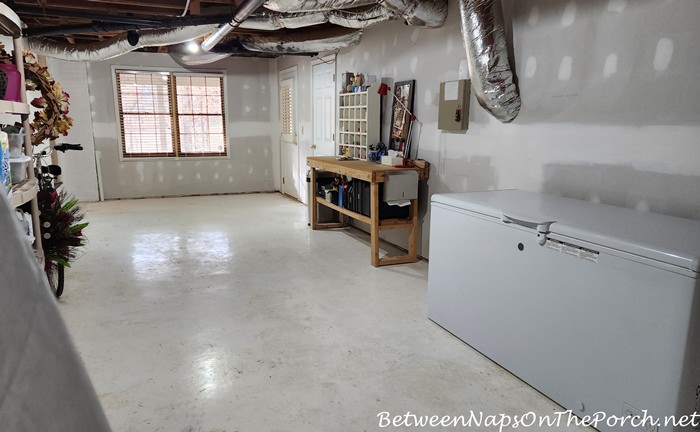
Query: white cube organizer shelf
[[358, 122]]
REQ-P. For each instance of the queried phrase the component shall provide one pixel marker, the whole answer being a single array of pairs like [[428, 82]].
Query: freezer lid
[[663, 238]]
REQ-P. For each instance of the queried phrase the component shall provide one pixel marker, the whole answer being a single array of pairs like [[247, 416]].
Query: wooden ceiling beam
[[195, 7]]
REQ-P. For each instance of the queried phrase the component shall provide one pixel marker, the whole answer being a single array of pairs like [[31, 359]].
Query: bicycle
[[59, 219]]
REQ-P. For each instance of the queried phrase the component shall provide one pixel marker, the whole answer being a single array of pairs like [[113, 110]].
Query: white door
[[288, 138], [324, 108]]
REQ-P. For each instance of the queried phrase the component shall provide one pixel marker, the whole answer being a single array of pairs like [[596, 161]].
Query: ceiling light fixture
[[192, 47]]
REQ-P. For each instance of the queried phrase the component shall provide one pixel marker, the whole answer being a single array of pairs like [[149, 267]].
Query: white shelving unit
[[11, 25], [358, 122]]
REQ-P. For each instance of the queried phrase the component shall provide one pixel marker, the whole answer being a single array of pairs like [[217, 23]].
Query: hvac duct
[[197, 59], [343, 18], [116, 46], [314, 5], [422, 13], [244, 10], [278, 45], [487, 56]]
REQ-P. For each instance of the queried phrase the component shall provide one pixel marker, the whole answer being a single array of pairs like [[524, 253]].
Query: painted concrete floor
[[226, 313]]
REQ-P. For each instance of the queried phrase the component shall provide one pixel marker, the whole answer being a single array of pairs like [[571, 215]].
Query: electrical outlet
[[631, 412]]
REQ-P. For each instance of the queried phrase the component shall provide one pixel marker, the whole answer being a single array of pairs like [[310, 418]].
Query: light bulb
[[192, 47]]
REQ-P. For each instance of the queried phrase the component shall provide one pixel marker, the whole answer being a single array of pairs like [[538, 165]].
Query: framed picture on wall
[[400, 112]]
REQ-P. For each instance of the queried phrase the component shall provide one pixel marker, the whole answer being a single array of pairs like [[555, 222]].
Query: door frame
[[283, 75]]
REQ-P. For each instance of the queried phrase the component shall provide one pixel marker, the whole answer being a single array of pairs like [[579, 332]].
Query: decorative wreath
[[52, 120]]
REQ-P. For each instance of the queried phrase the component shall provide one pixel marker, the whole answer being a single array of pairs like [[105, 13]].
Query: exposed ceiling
[[278, 27]]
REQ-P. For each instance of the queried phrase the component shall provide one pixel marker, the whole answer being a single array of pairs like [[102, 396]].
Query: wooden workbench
[[374, 174]]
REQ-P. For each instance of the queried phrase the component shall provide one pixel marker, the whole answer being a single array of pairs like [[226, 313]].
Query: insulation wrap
[[487, 55]]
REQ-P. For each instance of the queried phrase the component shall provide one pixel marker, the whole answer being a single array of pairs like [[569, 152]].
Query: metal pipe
[[244, 10]]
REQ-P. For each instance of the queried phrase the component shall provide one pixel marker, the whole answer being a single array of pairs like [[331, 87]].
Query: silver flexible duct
[[420, 13], [349, 19], [116, 46], [275, 21], [244, 10], [314, 5], [344, 18], [281, 46], [487, 56], [197, 59]]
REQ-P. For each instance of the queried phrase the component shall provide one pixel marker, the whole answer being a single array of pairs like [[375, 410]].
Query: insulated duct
[[278, 45], [344, 18], [487, 56], [314, 5], [197, 59], [116, 46], [420, 13], [244, 10]]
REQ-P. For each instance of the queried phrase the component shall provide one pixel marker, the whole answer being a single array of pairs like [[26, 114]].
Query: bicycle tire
[[55, 277], [59, 287]]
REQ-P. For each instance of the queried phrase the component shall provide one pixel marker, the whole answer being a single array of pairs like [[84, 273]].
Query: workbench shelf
[[375, 175]]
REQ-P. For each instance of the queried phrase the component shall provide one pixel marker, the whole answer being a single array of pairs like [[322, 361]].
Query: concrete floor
[[226, 313]]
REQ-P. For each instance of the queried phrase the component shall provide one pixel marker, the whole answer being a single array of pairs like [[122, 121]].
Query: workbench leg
[[413, 232], [374, 222], [312, 198]]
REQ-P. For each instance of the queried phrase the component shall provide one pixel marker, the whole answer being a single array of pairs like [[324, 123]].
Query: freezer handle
[[542, 228]]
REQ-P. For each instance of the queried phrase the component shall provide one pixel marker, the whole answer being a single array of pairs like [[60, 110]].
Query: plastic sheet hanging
[[487, 56]]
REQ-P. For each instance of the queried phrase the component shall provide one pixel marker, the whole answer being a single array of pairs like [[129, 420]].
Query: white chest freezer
[[595, 306]]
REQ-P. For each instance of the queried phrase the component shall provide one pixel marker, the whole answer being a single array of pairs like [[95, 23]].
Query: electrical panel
[[453, 107]]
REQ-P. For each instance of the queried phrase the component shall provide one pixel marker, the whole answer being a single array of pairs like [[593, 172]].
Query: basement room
[[349, 215]]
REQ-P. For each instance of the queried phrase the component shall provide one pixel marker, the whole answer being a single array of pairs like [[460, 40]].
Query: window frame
[[177, 156]]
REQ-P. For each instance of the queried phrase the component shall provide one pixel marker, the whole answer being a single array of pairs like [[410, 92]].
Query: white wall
[[621, 128], [79, 171], [252, 131]]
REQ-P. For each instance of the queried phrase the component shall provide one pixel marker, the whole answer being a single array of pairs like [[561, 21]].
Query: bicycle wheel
[[55, 277]]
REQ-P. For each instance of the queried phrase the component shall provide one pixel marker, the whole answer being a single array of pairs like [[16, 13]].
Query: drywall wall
[[79, 171], [252, 131], [79, 174], [611, 106]]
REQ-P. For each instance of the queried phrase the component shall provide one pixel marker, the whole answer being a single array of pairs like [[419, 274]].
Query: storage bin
[[16, 141], [14, 79], [18, 168]]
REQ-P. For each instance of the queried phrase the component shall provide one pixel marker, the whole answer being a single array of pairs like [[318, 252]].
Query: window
[[170, 114], [287, 109]]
